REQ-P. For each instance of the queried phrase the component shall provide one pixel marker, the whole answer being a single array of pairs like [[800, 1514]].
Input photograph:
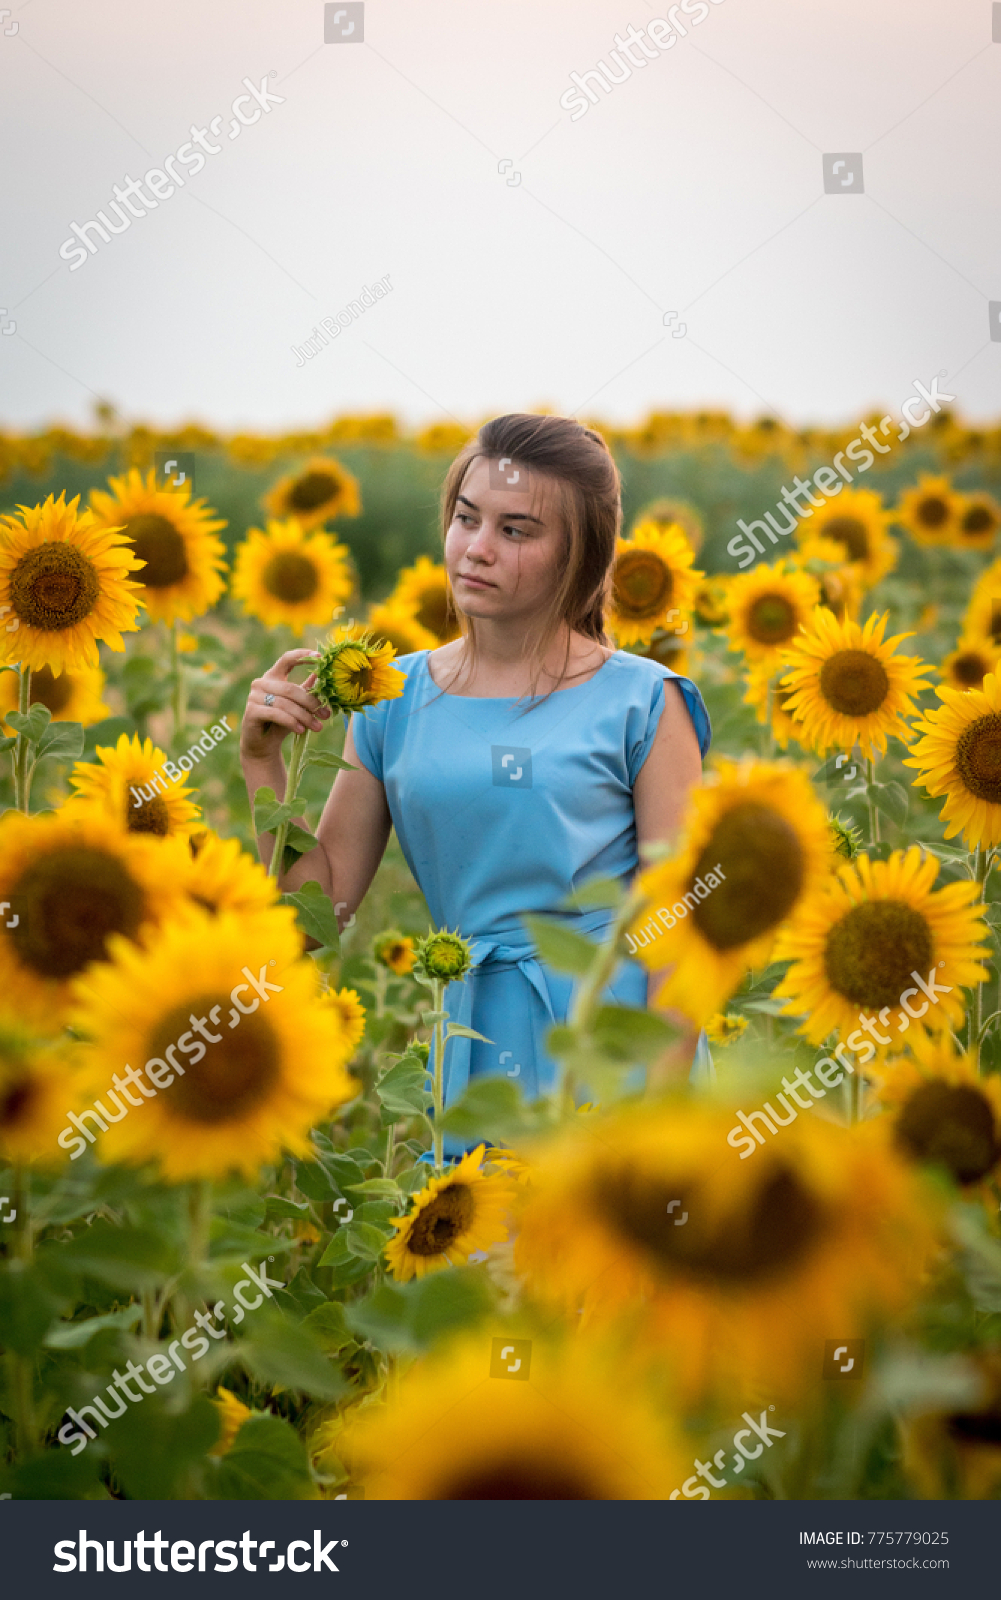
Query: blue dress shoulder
[[504, 807]]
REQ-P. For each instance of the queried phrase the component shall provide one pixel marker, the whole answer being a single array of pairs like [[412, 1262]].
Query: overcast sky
[[695, 186]]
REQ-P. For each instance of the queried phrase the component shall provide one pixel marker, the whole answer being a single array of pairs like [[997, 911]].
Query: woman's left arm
[[660, 794]]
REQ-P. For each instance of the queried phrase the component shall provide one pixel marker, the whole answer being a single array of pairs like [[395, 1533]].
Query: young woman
[[523, 758]]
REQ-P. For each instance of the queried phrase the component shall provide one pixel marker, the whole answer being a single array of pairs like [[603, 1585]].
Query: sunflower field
[[221, 1170]]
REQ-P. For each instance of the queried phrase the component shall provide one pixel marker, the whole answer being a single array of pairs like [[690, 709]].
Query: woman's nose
[[480, 546]]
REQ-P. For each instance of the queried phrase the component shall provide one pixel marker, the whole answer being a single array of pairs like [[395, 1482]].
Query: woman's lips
[[475, 583]]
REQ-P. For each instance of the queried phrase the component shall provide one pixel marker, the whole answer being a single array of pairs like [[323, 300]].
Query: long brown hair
[[586, 478]]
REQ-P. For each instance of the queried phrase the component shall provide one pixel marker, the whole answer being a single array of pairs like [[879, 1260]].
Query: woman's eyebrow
[[507, 516]]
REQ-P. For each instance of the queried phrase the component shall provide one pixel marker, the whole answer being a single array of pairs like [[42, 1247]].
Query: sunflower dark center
[[151, 817], [854, 683], [850, 532], [437, 1227], [16, 1101], [360, 679], [932, 511], [977, 520], [762, 862], [978, 757], [68, 901], [970, 669], [952, 1124], [515, 1477], [976, 1427], [642, 584], [48, 690], [772, 619], [53, 586], [434, 611], [872, 951], [234, 1075], [290, 576], [157, 542], [311, 490], [769, 1234]]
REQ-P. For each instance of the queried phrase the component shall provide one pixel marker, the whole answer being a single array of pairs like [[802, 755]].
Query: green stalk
[[982, 860], [438, 1005], [21, 1368], [769, 736], [296, 760], [873, 809], [387, 1165], [22, 781], [179, 697]]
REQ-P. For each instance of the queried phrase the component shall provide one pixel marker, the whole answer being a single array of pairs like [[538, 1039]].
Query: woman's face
[[503, 547]]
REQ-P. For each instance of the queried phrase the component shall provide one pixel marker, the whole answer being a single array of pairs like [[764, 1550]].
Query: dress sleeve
[[369, 732], [640, 748]]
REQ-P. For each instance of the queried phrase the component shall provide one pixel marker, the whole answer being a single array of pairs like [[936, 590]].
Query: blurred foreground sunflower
[[855, 519], [272, 1063], [347, 1004], [755, 837], [581, 1428], [72, 881], [955, 1454], [821, 1228], [232, 1415], [653, 582], [174, 535], [856, 942], [65, 583], [423, 593], [221, 876], [767, 608], [930, 511], [942, 1112], [450, 1218], [126, 783], [849, 687], [957, 753], [69, 697], [37, 1090], [285, 574], [322, 490]]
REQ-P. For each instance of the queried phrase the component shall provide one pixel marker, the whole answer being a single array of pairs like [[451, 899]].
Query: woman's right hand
[[295, 710]]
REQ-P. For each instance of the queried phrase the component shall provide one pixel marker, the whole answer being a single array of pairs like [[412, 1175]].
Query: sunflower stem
[[296, 761], [22, 780], [21, 1367], [871, 803], [769, 738], [387, 1165], [179, 697], [199, 1222], [981, 868], [437, 1005]]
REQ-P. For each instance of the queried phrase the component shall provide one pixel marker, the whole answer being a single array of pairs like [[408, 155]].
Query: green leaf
[[365, 1241], [125, 1258], [32, 723], [457, 1030], [327, 1325], [429, 1018], [154, 1449], [27, 1307], [891, 799], [269, 813], [7, 742], [300, 1296], [277, 1206], [628, 1035], [74, 1335], [336, 1251], [62, 740], [768, 1008], [315, 914], [279, 1352], [324, 758], [402, 1091], [378, 1186], [491, 1108], [314, 1180], [598, 892], [563, 949], [415, 1315], [266, 1461]]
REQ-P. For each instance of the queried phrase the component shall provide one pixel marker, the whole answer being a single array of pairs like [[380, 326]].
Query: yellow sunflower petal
[[176, 538]]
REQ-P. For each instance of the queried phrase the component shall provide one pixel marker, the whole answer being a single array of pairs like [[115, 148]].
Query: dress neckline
[[513, 699]]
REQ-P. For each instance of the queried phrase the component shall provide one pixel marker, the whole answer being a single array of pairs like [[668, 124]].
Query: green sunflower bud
[[445, 956]]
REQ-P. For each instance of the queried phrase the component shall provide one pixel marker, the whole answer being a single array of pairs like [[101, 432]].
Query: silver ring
[[269, 699]]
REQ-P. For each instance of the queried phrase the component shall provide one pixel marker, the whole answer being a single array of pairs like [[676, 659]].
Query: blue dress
[[503, 807]]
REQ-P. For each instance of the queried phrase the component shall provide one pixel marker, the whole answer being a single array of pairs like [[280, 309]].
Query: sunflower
[[736, 1271], [756, 842], [321, 491], [353, 672], [395, 951], [979, 519], [710, 602], [723, 1028], [846, 840], [252, 1093], [351, 1012], [71, 697], [64, 584], [580, 1428], [849, 686], [768, 606], [967, 666], [930, 512], [37, 1088], [176, 538], [958, 754], [423, 593], [784, 725], [956, 1454], [653, 582], [666, 512], [126, 783], [942, 1111], [71, 881], [232, 1415], [840, 581], [448, 1219], [393, 625], [221, 876], [289, 575], [444, 955], [855, 519], [856, 943]]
